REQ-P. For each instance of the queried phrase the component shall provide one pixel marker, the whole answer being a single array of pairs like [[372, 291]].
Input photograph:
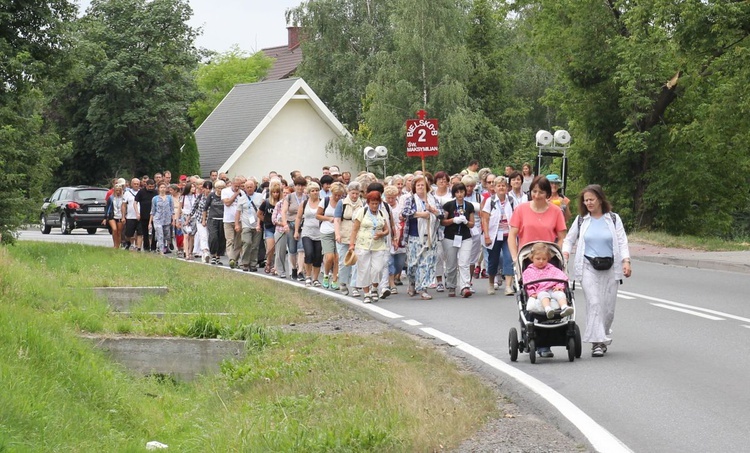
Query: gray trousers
[[251, 238]]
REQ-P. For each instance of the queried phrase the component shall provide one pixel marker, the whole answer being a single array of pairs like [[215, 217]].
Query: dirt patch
[[340, 324]]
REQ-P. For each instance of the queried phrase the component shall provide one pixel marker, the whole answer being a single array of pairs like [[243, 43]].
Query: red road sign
[[421, 138]]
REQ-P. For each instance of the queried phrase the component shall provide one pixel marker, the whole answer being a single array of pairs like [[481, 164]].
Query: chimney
[[293, 37]]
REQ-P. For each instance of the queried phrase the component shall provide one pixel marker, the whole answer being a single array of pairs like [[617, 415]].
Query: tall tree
[[31, 43], [128, 89], [641, 84]]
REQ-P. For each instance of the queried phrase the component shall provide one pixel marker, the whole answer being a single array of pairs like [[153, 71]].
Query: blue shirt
[[598, 239]]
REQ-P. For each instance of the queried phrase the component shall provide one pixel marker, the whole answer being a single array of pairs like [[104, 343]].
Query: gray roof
[[285, 63], [235, 118]]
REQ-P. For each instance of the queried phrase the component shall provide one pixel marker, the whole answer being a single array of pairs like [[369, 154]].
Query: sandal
[[411, 291], [367, 299], [425, 296], [316, 283]]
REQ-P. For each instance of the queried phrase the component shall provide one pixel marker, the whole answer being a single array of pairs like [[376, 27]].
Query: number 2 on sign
[[422, 135]]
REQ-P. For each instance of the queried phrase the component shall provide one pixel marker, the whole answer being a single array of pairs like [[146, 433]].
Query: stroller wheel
[[513, 344], [532, 352], [571, 349], [579, 345]]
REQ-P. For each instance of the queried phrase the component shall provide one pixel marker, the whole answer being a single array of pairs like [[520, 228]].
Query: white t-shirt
[[231, 210], [129, 198]]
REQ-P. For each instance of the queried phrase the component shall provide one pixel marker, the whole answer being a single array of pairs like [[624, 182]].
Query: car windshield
[[91, 194]]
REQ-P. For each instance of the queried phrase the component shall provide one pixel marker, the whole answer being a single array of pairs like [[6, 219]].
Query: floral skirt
[[420, 262]]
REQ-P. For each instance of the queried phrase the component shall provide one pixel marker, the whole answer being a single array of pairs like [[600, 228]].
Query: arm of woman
[[622, 242], [353, 236], [570, 239], [297, 222], [513, 243], [320, 214], [471, 220], [284, 208]]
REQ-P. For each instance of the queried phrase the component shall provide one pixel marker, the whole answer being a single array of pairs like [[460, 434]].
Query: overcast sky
[[253, 24]]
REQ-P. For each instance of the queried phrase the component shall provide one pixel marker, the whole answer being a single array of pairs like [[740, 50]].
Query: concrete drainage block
[[181, 358], [124, 298]]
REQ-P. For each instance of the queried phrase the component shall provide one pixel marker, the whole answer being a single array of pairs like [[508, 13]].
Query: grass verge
[[294, 391], [688, 242]]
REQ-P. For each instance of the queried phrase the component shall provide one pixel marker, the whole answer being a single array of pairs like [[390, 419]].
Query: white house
[[278, 125]]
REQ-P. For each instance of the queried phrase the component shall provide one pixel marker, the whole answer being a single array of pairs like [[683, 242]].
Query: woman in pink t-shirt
[[537, 220]]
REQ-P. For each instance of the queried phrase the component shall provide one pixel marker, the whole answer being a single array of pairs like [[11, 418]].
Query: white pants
[[370, 266], [457, 261], [201, 239], [600, 289]]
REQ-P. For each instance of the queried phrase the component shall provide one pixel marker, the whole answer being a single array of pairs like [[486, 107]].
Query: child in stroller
[[545, 304], [546, 291]]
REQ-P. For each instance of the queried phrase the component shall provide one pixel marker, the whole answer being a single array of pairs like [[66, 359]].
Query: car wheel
[[91, 230], [64, 224], [46, 228]]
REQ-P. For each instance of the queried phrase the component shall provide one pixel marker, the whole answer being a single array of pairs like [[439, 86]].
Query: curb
[[696, 263]]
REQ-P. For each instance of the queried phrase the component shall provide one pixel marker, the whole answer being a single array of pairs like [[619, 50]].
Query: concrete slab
[[124, 298], [182, 358]]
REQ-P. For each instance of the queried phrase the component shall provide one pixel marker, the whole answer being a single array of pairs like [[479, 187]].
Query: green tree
[[218, 76], [128, 88], [31, 43], [646, 87]]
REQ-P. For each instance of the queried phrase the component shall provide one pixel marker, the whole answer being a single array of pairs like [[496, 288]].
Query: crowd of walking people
[[361, 235]]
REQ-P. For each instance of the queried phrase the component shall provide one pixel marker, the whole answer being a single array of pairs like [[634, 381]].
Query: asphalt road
[[674, 379]]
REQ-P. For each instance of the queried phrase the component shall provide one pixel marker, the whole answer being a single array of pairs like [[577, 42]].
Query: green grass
[[688, 242], [293, 392]]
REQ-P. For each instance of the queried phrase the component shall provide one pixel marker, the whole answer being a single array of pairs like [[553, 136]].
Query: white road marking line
[[412, 322], [691, 307], [453, 341], [690, 312], [622, 296], [600, 438]]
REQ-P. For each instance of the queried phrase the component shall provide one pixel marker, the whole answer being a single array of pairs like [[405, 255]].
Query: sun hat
[[554, 178], [350, 259]]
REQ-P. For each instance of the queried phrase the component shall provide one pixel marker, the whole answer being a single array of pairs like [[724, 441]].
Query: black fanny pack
[[601, 263]]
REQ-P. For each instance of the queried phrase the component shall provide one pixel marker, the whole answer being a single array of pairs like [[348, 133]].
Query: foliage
[[127, 88], [216, 78], [650, 90], [189, 157], [31, 42]]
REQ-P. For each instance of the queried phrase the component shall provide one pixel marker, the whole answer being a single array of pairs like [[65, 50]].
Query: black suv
[[74, 207]]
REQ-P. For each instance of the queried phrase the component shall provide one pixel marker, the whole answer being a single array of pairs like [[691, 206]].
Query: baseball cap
[[183, 178]]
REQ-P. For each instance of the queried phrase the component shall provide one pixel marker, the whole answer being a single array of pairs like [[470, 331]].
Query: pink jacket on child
[[533, 273]]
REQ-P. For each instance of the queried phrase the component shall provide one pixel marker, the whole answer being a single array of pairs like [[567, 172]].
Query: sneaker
[[355, 292], [245, 268], [398, 282], [334, 286], [232, 264], [206, 258], [550, 313], [282, 275], [308, 283], [491, 290], [497, 285], [509, 291], [300, 277], [466, 292], [294, 274], [344, 290], [596, 350], [440, 288], [567, 311], [385, 293], [545, 352], [433, 285], [367, 299], [253, 269], [451, 292], [394, 290], [326, 282]]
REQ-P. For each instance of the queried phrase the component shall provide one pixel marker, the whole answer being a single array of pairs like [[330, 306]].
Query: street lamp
[[376, 154], [553, 145]]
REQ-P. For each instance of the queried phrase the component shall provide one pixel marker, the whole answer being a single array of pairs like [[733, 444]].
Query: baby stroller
[[536, 329]]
